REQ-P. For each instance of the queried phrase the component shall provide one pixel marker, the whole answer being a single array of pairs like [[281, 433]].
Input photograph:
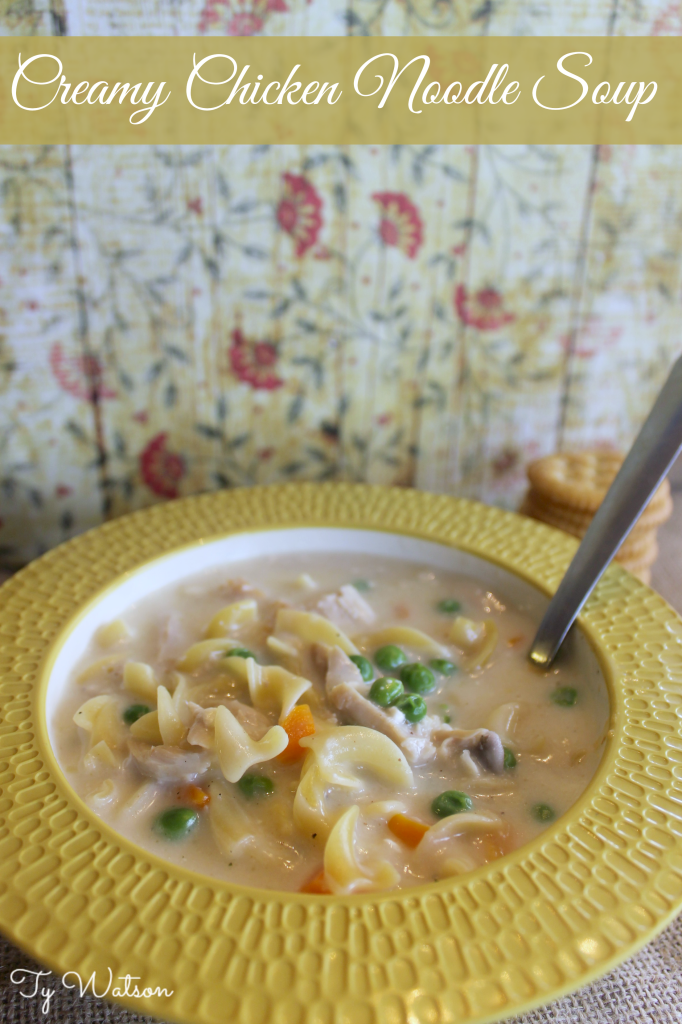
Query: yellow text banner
[[342, 91]]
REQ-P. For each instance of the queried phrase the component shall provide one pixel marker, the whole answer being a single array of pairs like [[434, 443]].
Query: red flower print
[[80, 376], [254, 362], [484, 309], [238, 17], [196, 205], [400, 223], [299, 212], [62, 491], [161, 469], [668, 22], [244, 23]]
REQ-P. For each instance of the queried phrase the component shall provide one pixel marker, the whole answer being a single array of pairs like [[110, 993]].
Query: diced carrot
[[298, 724], [195, 795], [401, 611], [408, 830], [513, 641], [317, 884]]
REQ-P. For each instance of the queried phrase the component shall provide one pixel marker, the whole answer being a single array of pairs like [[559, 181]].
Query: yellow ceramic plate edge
[[399, 952]]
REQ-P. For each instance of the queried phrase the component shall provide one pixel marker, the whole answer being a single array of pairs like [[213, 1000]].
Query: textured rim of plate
[[547, 919]]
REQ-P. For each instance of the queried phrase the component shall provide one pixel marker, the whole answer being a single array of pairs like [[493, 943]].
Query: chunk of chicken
[[169, 764], [361, 711], [345, 687], [253, 721], [346, 608], [201, 732], [419, 747], [485, 747], [470, 766], [340, 669]]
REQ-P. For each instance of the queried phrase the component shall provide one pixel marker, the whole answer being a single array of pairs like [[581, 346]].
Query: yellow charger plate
[[548, 918]]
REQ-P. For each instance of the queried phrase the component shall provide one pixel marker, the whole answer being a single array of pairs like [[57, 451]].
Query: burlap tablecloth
[[647, 989]]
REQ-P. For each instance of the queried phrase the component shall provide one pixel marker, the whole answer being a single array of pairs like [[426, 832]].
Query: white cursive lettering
[[248, 92], [478, 92], [637, 94], [84, 92]]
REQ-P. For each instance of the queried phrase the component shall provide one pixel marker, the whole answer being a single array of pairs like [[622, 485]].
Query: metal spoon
[[655, 449]]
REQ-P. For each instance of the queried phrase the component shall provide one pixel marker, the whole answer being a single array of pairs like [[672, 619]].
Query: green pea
[[390, 657], [418, 678], [134, 712], [365, 666], [451, 802], [442, 665], [256, 785], [509, 758], [240, 652], [564, 696], [412, 706], [176, 822], [361, 585], [542, 812], [386, 691], [448, 606]]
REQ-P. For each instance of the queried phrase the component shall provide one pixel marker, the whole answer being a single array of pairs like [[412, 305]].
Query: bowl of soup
[[279, 753]]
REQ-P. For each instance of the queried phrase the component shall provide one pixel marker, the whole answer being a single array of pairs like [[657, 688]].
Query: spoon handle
[[655, 449]]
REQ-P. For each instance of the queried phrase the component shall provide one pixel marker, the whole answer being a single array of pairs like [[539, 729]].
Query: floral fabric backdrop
[[179, 319]]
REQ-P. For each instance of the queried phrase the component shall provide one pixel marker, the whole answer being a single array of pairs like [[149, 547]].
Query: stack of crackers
[[566, 490]]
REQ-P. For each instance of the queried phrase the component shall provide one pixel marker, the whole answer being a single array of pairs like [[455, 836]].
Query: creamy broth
[[348, 794]]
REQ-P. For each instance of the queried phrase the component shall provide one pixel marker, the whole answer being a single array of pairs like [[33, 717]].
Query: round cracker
[[580, 480], [640, 545], [541, 509], [536, 502], [635, 564]]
